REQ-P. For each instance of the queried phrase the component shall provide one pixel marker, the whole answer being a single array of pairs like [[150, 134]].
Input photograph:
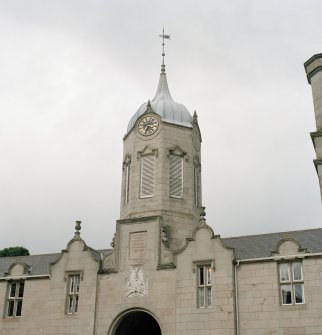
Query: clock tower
[[162, 165]]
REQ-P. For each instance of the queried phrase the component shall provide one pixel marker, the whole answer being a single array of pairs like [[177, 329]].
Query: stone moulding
[[177, 150], [147, 151], [288, 239], [27, 269]]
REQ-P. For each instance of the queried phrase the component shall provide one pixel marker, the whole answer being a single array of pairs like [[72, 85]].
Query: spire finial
[[164, 36]]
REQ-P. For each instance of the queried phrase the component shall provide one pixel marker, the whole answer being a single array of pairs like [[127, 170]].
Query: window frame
[[291, 282], [15, 300], [204, 285], [72, 295]]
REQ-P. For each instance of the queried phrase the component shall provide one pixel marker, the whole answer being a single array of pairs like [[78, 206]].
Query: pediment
[[18, 268], [147, 151], [177, 150]]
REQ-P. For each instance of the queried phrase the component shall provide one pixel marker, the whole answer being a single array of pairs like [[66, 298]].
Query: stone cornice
[[138, 219], [314, 135], [311, 70]]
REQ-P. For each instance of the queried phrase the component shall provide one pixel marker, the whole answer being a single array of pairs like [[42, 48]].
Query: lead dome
[[163, 105]]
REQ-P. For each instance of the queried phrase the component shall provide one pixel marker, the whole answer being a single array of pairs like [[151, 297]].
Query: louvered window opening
[[127, 183], [147, 176], [196, 185], [176, 176]]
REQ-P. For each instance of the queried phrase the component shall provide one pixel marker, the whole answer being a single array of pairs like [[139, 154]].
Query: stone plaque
[[138, 246]]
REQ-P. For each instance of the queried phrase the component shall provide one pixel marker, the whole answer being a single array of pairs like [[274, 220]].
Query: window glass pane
[[208, 296], [76, 284], [208, 268], [284, 272], [10, 308], [201, 276], [297, 270], [13, 287], [70, 305], [76, 303], [71, 287], [21, 289], [286, 294], [201, 297], [298, 293], [19, 308]]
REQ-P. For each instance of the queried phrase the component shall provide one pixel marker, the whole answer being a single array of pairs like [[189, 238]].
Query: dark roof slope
[[257, 246], [39, 263]]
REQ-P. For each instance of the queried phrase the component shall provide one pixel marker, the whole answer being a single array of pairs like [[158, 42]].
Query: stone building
[[167, 272]]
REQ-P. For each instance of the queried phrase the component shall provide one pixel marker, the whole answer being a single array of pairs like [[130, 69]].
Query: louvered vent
[[176, 176], [147, 176]]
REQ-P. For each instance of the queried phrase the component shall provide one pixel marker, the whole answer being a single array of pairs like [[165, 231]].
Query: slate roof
[[257, 246], [245, 247], [39, 263]]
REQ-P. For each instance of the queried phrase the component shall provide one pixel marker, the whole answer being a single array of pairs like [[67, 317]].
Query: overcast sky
[[73, 72]]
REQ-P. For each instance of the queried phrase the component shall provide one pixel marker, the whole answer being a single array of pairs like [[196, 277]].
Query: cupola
[[162, 104]]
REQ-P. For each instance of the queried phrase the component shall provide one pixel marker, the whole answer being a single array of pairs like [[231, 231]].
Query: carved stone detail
[[127, 161], [176, 150], [164, 232], [108, 263], [147, 151], [137, 285]]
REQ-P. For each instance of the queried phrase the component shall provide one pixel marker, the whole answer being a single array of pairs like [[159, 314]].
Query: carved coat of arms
[[137, 286]]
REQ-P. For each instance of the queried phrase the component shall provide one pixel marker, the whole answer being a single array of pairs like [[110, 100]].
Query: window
[[196, 181], [73, 294], [196, 185], [176, 176], [147, 176], [14, 298], [126, 178], [291, 283], [204, 286]]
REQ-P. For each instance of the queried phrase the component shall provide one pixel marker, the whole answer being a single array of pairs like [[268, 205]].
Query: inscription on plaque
[[138, 246]]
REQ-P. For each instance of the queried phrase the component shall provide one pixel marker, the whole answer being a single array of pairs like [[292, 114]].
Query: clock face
[[148, 125]]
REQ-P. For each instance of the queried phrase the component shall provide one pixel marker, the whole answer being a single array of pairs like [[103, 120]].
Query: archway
[[137, 322]]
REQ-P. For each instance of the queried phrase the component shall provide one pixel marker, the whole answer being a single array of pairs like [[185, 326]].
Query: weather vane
[[164, 36]]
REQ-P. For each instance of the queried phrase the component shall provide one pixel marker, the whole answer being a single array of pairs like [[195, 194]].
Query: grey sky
[[74, 72]]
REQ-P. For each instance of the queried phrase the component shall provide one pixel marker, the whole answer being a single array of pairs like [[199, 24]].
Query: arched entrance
[[136, 322]]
